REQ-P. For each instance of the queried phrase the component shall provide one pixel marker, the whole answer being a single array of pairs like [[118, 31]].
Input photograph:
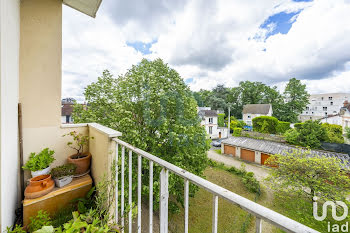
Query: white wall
[[9, 72]]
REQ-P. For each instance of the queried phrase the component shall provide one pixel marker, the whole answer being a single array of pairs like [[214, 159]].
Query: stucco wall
[[40, 62], [9, 62], [36, 139]]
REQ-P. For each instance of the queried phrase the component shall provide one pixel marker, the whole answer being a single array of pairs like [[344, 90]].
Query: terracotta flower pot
[[39, 186], [83, 164]]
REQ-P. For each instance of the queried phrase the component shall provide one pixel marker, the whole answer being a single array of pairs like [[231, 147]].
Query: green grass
[[218, 151], [230, 217]]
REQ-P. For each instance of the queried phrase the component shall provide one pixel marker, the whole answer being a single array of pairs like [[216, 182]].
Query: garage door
[[230, 150], [264, 157], [248, 155]]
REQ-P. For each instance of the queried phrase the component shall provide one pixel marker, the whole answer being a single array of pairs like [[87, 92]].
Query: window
[[211, 129], [326, 113], [307, 108], [310, 118], [324, 108], [312, 113], [210, 120], [331, 103], [321, 98], [249, 116], [307, 112], [330, 98]]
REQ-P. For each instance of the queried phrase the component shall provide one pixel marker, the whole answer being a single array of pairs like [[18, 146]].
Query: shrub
[[248, 179], [282, 127], [308, 134], [40, 220], [298, 125], [265, 124], [292, 136], [237, 132], [236, 124], [347, 132], [221, 117], [39, 161], [334, 133]]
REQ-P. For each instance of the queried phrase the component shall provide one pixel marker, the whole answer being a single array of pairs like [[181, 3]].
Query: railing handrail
[[254, 208]]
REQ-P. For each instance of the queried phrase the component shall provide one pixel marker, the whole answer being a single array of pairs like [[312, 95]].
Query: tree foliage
[[221, 119], [309, 134], [283, 127], [156, 112], [334, 133], [302, 173], [286, 106], [265, 124]]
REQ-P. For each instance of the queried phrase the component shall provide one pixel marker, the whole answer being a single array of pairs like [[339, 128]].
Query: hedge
[[298, 125], [237, 132], [221, 117], [282, 127], [334, 133], [237, 124], [265, 124]]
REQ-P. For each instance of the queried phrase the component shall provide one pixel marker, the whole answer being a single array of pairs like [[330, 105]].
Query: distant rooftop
[[272, 148], [256, 109]]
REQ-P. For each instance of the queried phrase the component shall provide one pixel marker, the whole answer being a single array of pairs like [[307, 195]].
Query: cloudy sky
[[212, 42]]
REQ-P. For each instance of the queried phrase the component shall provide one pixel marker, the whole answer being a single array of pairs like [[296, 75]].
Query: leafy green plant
[[63, 170], [87, 202], [37, 222], [334, 133], [80, 141], [221, 119], [39, 161], [282, 127], [301, 173], [16, 229], [237, 132], [265, 124]]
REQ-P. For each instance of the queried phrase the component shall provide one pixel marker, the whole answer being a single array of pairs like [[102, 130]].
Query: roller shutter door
[[248, 155], [230, 150]]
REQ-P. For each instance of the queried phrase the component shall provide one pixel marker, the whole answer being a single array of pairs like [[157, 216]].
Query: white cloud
[[212, 42]]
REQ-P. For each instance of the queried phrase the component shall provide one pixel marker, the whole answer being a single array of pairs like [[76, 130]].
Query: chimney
[[346, 103]]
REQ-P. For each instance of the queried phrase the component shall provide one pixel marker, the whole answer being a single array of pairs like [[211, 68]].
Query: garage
[[264, 157], [248, 155], [230, 150]]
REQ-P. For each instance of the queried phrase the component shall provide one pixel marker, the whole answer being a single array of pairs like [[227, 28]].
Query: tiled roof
[[256, 109], [208, 113], [272, 148]]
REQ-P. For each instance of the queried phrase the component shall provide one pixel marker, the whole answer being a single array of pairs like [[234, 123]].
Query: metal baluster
[[215, 214], [139, 185], [258, 225], [116, 180], [122, 191], [150, 196], [130, 191], [164, 196], [186, 204]]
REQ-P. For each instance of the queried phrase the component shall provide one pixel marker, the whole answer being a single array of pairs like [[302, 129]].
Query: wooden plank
[[215, 214], [164, 196]]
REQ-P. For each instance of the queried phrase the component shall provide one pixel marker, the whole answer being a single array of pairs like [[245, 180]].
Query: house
[[30, 120], [345, 115], [258, 151], [323, 105], [67, 110], [209, 119], [250, 111]]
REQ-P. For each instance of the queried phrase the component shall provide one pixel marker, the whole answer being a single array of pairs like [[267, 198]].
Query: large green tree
[[296, 98], [304, 174], [155, 111]]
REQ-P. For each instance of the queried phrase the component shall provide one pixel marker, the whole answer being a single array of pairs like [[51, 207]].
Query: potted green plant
[[81, 159], [39, 164], [63, 174]]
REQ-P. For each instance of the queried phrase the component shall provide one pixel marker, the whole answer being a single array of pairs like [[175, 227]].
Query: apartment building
[[323, 105]]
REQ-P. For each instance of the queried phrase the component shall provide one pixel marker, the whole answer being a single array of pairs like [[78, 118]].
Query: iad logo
[[334, 227]]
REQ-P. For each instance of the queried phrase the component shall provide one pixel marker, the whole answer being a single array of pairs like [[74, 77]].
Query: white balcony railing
[[259, 211]]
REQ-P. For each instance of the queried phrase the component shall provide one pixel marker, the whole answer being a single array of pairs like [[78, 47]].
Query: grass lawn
[[218, 151], [230, 217]]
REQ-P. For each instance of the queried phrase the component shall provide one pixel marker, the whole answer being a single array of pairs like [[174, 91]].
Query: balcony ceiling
[[89, 7]]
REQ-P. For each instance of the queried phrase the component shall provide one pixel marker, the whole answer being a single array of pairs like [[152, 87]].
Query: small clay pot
[[83, 164], [39, 186]]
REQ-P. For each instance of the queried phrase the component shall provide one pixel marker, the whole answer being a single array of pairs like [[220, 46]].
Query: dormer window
[[330, 98], [211, 120]]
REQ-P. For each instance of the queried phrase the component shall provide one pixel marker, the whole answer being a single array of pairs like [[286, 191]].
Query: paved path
[[259, 172]]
